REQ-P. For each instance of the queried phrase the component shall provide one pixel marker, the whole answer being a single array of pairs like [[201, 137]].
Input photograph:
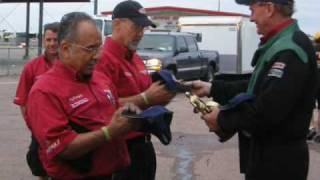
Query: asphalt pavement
[[194, 153]]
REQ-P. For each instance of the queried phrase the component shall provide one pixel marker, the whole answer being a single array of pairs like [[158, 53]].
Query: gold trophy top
[[200, 105]]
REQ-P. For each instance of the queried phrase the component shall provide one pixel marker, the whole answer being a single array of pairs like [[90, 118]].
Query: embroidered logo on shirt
[[275, 73], [110, 96], [53, 146], [277, 70], [278, 65], [37, 77], [77, 100], [128, 74], [145, 72]]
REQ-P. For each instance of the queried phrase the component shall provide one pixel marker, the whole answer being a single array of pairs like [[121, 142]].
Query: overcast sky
[[13, 16]]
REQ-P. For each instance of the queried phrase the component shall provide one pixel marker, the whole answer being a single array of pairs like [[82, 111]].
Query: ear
[[271, 8], [65, 49]]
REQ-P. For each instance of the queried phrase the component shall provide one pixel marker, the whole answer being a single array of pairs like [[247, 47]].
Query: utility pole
[[218, 5], [26, 55], [95, 7], [40, 27]]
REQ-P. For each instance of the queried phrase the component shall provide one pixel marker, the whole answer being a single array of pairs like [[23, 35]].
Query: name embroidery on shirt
[[77, 100]]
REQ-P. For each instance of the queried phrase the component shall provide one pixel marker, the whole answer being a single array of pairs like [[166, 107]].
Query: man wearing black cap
[[272, 127], [121, 63]]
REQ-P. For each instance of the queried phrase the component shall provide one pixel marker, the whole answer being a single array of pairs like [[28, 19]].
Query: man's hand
[[211, 120], [199, 88], [158, 94], [120, 124]]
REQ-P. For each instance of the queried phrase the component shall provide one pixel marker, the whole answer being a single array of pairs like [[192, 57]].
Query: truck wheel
[[209, 75]]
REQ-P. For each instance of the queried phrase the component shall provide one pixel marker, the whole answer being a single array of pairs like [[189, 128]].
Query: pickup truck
[[179, 53]]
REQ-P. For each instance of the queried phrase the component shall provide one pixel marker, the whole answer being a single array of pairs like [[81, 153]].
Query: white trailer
[[234, 37]]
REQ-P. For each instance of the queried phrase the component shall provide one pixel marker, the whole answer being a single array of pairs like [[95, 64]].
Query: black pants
[[33, 160], [143, 161]]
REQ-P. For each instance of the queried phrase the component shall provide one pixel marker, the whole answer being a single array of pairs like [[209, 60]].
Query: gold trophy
[[200, 105], [204, 108]]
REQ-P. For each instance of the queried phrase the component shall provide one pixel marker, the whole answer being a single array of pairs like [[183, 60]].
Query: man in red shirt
[[31, 72], [72, 112], [122, 64]]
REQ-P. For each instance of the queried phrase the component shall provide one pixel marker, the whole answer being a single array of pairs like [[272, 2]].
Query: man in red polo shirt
[[72, 112], [31, 72], [120, 62]]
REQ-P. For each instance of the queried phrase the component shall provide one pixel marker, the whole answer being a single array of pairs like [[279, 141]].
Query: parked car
[[179, 53]]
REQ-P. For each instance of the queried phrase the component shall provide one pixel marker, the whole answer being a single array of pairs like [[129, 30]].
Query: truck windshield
[[156, 43], [105, 26]]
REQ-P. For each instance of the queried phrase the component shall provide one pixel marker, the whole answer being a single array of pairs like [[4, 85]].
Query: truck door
[[181, 57], [190, 65]]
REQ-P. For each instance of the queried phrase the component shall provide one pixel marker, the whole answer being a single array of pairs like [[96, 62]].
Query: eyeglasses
[[93, 50]]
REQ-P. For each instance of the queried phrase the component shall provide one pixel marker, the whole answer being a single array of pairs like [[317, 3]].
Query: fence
[[12, 59]]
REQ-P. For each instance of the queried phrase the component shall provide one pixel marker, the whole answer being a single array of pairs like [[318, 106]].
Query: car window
[[181, 44], [191, 44]]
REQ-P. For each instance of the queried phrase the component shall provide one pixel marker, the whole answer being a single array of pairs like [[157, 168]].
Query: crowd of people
[[74, 98]]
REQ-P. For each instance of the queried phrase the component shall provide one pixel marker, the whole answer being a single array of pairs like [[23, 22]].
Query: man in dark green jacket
[[272, 127]]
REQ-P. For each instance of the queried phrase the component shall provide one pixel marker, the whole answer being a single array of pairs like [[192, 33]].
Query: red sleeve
[[24, 86], [49, 123]]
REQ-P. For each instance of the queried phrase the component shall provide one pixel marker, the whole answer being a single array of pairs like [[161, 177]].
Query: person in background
[[272, 124], [72, 112], [123, 65], [31, 72]]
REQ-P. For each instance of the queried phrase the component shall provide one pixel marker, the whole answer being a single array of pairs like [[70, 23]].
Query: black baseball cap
[[248, 2], [133, 11]]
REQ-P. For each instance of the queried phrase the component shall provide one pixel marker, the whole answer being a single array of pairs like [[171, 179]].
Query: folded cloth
[[170, 81], [233, 104], [155, 120]]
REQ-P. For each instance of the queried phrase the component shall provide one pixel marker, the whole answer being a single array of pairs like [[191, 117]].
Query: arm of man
[[156, 94], [50, 125], [23, 88], [222, 91], [281, 90], [86, 142]]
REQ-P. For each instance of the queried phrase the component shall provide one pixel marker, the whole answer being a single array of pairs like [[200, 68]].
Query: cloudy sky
[[12, 16]]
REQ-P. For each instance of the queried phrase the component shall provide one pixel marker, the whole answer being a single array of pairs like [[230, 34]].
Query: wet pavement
[[194, 153]]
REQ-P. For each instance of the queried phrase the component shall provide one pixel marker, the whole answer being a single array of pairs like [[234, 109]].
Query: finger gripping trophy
[[204, 108]]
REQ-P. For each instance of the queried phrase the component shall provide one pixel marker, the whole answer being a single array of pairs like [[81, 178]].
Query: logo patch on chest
[[278, 73]]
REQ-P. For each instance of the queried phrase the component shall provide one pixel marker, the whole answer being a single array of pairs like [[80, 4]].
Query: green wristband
[[106, 134]]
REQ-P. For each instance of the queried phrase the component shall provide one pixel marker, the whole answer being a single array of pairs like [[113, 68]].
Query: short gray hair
[[286, 10], [69, 25]]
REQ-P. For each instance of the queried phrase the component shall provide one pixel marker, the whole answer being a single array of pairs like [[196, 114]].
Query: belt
[[139, 139]]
